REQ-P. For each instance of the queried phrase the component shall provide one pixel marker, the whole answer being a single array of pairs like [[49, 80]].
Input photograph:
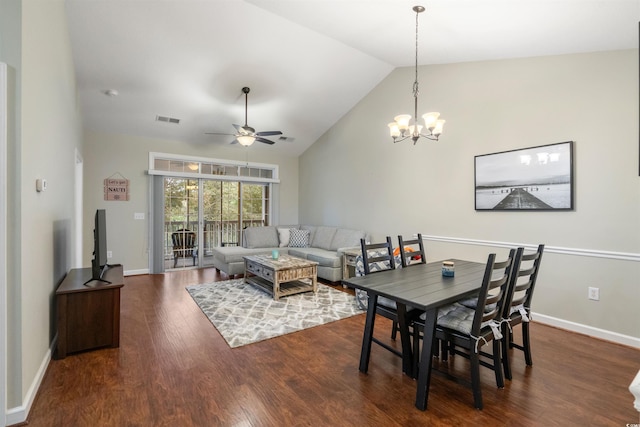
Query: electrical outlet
[[109, 254], [138, 215], [594, 294]]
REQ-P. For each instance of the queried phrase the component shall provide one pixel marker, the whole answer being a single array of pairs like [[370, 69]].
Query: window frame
[[226, 165]]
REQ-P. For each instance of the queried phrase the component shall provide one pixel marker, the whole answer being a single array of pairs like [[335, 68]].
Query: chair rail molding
[[631, 341], [623, 256]]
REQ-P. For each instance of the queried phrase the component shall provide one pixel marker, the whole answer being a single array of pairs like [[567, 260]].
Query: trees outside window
[[226, 207]]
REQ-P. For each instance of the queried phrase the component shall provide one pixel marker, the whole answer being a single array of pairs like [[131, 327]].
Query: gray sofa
[[323, 245]]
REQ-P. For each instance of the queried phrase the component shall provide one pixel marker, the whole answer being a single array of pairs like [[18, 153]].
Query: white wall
[[355, 176], [10, 53], [48, 134], [127, 155]]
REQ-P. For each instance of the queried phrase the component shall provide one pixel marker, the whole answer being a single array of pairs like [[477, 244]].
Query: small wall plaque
[[116, 189]]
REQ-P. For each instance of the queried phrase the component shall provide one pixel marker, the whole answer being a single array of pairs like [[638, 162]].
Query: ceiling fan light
[[246, 140]]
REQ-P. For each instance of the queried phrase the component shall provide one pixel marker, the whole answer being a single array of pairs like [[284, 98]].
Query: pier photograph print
[[536, 178]]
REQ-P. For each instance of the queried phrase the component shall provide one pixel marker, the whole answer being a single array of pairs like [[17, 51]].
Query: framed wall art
[[529, 179]]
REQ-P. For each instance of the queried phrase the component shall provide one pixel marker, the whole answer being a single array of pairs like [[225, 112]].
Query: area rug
[[244, 314]]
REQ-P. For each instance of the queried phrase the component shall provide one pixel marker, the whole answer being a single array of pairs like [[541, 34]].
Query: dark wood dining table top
[[423, 286]]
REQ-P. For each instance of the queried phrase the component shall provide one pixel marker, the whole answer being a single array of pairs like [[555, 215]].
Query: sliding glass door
[[201, 214], [181, 222]]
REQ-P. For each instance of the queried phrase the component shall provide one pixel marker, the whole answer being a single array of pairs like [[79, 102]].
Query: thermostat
[[41, 185]]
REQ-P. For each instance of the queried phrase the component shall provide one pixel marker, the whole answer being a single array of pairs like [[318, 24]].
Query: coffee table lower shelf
[[286, 288]]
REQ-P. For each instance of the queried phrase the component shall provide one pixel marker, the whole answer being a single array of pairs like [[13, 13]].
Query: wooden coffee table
[[286, 275]]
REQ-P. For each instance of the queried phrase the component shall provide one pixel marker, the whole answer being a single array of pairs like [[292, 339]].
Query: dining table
[[417, 288]]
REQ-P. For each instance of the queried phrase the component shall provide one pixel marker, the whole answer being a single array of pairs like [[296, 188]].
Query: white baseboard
[[136, 272], [587, 330], [19, 414]]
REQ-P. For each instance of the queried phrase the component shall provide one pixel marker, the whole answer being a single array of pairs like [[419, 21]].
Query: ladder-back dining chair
[[377, 257], [517, 311], [412, 251], [466, 330]]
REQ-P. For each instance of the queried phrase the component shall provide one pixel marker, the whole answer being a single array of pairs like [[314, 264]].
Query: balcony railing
[[215, 233]]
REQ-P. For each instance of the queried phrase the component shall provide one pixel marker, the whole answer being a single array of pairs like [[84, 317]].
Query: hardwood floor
[[174, 369]]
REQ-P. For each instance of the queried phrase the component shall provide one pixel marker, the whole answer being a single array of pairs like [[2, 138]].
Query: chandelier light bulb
[[430, 120], [403, 121], [412, 128], [393, 129], [438, 129]]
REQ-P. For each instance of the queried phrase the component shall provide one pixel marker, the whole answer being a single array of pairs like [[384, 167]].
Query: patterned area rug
[[244, 314]]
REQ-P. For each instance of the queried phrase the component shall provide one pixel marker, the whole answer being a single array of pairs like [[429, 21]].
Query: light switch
[[138, 215], [41, 185]]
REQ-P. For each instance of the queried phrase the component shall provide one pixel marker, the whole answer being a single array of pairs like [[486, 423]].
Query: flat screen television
[[99, 262]]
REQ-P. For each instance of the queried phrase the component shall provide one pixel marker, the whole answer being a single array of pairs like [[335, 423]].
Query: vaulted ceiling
[[307, 62]]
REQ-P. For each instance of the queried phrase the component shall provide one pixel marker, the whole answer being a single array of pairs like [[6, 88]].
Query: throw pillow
[[284, 235], [298, 238], [261, 237]]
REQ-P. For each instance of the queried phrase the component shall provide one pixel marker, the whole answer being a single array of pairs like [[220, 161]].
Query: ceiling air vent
[[167, 119]]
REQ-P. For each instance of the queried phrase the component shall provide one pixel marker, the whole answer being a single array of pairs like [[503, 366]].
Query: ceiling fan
[[246, 135]]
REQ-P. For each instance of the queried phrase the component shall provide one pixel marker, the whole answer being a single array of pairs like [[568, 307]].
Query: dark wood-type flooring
[[174, 369]]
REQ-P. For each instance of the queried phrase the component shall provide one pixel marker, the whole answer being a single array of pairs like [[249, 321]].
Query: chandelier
[[400, 128]]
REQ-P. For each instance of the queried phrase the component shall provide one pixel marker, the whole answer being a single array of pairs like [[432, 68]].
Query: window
[[177, 165], [214, 198]]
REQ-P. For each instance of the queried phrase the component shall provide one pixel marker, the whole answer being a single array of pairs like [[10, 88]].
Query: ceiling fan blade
[[266, 141], [219, 133], [238, 127], [269, 133]]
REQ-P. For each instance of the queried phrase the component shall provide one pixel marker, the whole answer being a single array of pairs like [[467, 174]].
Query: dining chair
[[466, 330], [412, 251], [377, 257], [517, 310]]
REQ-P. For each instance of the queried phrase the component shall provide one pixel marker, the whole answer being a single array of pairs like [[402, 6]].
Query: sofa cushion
[[323, 237], [312, 231], [345, 238], [298, 238], [261, 237], [323, 257], [284, 234]]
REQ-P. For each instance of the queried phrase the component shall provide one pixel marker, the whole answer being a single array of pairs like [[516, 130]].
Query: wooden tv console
[[88, 315]]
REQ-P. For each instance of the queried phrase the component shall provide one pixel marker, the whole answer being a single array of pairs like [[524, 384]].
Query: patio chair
[[184, 245]]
